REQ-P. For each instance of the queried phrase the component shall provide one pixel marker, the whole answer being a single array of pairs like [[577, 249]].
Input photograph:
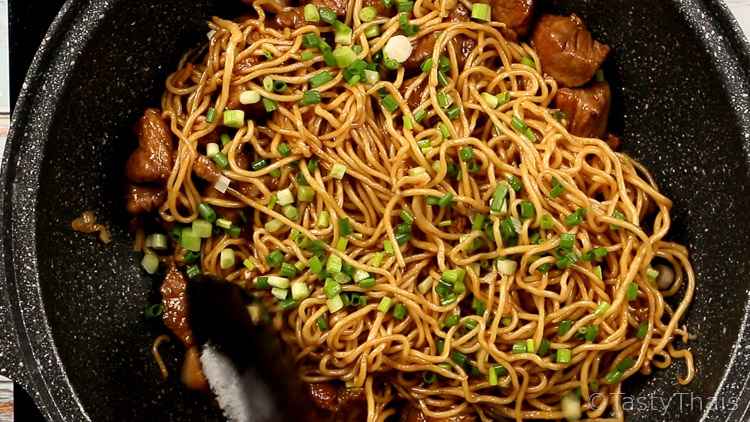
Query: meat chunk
[[289, 17], [414, 414], [587, 109], [424, 46], [152, 160], [613, 141], [144, 199], [206, 169], [338, 6], [567, 50], [515, 14], [324, 395], [174, 301], [416, 96]]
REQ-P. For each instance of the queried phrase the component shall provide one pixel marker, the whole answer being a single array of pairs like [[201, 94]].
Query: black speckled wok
[[73, 332]]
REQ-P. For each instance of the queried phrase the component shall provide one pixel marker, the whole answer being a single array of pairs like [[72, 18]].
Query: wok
[[73, 332]]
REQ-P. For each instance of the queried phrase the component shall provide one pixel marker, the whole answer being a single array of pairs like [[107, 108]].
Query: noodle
[[472, 286]]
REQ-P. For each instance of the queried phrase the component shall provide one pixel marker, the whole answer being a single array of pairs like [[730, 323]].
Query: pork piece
[[289, 17], [206, 169], [418, 95], [346, 404], [338, 6], [144, 199], [152, 160], [567, 50], [174, 301], [424, 46], [414, 414], [515, 14], [587, 109], [613, 141]]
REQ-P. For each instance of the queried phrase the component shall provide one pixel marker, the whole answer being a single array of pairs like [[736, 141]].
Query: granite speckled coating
[[78, 341]]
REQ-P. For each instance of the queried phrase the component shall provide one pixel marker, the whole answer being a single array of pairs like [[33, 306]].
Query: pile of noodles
[[391, 358]]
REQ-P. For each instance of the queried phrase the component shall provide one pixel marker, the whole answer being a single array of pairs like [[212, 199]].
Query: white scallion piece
[[222, 184], [279, 294], [506, 266], [284, 197], [276, 281], [212, 149], [398, 48], [249, 97]]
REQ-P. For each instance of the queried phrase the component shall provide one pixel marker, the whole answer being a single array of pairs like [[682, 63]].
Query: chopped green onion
[[530, 346], [311, 13], [258, 164], [642, 330], [453, 276], [372, 31], [389, 103], [453, 112], [601, 309], [269, 105], [278, 282], [498, 198], [324, 219], [334, 263], [311, 40], [190, 240], [320, 79], [322, 323], [388, 247], [284, 197], [563, 356], [564, 327], [287, 304], [367, 14], [527, 210], [268, 83], [478, 222], [426, 65], [490, 99], [543, 347], [408, 125], [590, 332], [575, 218], [221, 160], [419, 115], [599, 75], [275, 258], [305, 56], [528, 61], [331, 288], [557, 188], [445, 200], [193, 271], [287, 270], [234, 118], [481, 11], [212, 149], [344, 56], [613, 377], [429, 377], [458, 357], [345, 228], [567, 240], [371, 76], [632, 292], [366, 283], [652, 274], [444, 100], [625, 364], [450, 321], [305, 194], [224, 223], [478, 306], [399, 311], [335, 304], [273, 225], [404, 6], [150, 262], [444, 131], [226, 258], [503, 98], [279, 86], [211, 115], [408, 28], [598, 272], [201, 228], [547, 223], [315, 264], [338, 171], [506, 266], [225, 139], [524, 129], [384, 305], [566, 260], [191, 257], [327, 15], [519, 347], [470, 324], [341, 244], [342, 35], [310, 97], [618, 215]]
